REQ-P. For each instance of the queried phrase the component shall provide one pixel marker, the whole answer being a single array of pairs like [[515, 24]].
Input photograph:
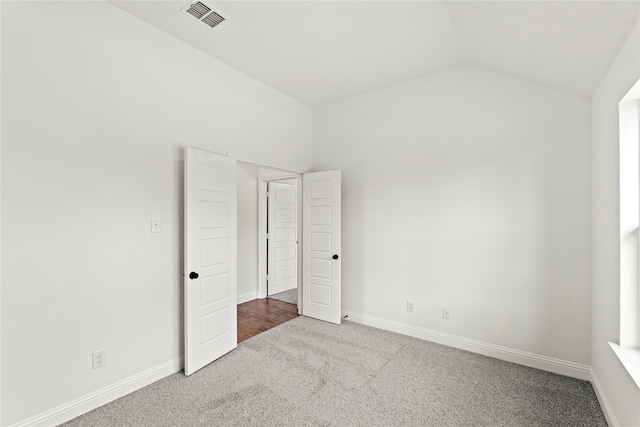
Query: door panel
[[321, 216], [210, 252], [283, 237]]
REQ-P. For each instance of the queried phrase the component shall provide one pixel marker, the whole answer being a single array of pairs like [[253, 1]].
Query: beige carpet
[[311, 373]]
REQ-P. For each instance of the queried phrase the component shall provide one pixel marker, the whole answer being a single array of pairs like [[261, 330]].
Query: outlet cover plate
[[99, 359], [410, 306]]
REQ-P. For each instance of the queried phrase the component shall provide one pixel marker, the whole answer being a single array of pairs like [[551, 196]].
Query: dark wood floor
[[259, 315]]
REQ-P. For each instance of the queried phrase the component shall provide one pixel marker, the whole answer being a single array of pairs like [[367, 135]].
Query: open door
[[321, 217], [282, 237], [210, 283]]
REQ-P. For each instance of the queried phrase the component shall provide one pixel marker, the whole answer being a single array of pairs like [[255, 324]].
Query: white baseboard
[[107, 394], [247, 296], [604, 402], [525, 358], [84, 404]]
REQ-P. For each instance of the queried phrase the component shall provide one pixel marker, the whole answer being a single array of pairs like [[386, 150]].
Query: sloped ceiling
[[321, 51]]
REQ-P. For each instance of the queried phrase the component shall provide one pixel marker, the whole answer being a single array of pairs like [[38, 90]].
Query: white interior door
[[321, 263], [210, 282], [283, 237]]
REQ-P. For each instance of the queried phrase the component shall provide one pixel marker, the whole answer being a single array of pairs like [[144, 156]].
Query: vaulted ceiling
[[321, 51]]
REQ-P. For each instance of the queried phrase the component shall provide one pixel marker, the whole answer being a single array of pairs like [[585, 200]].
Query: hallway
[[259, 315]]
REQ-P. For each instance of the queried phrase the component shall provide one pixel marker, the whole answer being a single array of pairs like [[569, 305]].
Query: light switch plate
[[156, 227]]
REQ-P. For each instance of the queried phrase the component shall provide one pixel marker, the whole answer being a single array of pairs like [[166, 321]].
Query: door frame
[[262, 234], [287, 173]]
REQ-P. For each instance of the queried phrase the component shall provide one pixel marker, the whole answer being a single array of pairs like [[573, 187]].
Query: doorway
[[216, 226], [282, 240], [279, 239], [253, 183]]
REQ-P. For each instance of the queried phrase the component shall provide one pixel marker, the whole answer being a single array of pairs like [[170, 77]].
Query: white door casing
[[321, 217], [283, 236], [210, 283]]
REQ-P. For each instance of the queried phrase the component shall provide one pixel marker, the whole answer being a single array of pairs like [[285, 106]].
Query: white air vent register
[[203, 13]]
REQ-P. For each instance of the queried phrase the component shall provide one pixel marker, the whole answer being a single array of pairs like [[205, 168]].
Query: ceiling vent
[[203, 13]]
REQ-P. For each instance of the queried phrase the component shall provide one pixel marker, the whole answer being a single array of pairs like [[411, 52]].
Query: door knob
[[335, 257], [193, 275]]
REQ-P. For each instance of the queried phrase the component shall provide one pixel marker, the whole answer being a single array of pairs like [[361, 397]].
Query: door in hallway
[[282, 252]]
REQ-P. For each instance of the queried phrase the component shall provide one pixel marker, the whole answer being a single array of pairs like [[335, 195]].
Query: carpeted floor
[[311, 373], [290, 296]]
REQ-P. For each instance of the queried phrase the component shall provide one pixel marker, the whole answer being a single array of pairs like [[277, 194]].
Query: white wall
[[247, 232], [467, 189], [617, 386], [96, 109]]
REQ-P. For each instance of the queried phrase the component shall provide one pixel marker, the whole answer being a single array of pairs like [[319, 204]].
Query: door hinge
[[267, 235], [267, 277], [268, 194]]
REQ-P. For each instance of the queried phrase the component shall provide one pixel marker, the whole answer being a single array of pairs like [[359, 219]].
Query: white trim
[[84, 404], [259, 163], [558, 366], [247, 296], [0, 245], [262, 238], [300, 242], [604, 402], [630, 359]]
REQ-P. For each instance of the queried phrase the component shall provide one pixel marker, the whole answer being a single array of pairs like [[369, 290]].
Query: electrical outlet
[[99, 359], [446, 314], [156, 225], [410, 306]]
